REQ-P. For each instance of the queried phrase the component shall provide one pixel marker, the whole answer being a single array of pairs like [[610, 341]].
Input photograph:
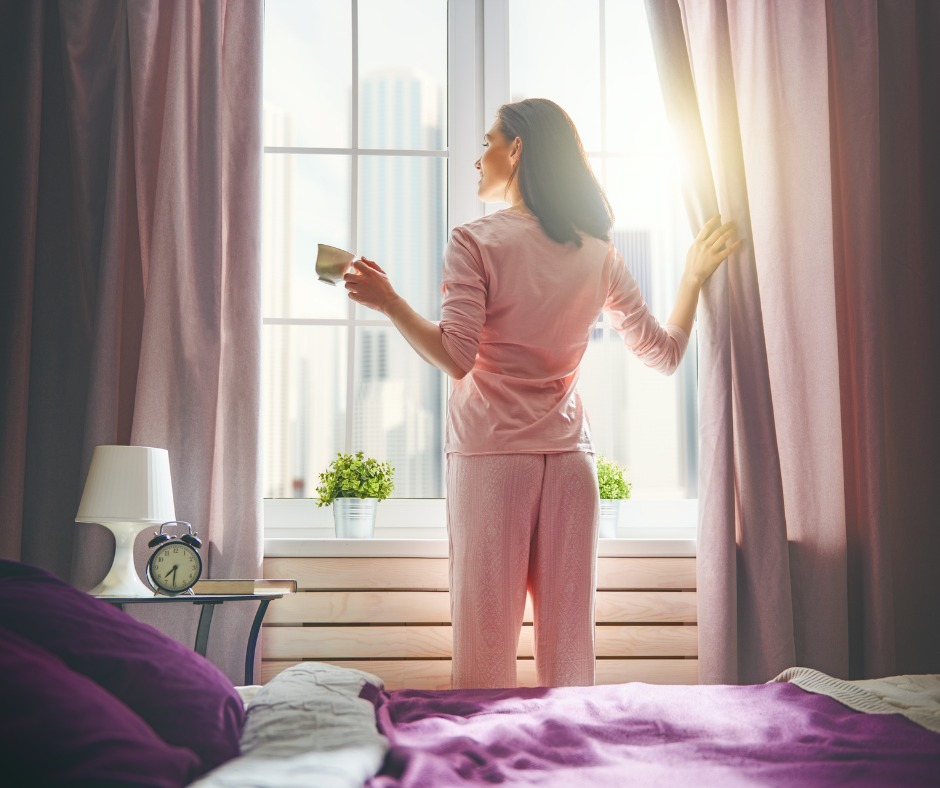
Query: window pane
[[636, 117], [308, 72], [554, 54], [652, 421], [639, 417], [303, 387], [650, 227], [595, 388], [402, 74], [398, 409], [402, 225], [305, 201]]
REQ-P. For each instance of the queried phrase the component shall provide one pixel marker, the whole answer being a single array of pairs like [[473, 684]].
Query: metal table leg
[[205, 621], [253, 640]]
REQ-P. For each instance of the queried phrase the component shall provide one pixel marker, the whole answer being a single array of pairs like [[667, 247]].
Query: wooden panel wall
[[391, 617]]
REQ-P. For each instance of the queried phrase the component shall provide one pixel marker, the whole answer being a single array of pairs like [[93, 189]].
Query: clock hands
[[172, 572]]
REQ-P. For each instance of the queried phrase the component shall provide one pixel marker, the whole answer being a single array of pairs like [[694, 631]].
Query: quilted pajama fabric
[[518, 523], [518, 314]]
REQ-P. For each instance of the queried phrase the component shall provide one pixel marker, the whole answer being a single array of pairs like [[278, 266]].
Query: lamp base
[[122, 579]]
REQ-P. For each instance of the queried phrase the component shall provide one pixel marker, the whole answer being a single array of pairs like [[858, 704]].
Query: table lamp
[[127, 491]]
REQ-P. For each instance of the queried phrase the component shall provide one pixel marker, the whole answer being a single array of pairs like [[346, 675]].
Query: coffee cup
[[332, 263]]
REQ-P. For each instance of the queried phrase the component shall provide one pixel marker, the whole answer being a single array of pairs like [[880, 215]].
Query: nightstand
[[263, 595]]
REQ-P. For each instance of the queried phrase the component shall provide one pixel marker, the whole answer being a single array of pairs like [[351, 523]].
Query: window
[[596, 60], [355, 157], [374, 111]]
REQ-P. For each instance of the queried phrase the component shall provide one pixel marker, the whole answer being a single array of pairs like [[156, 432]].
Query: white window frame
[[477, 67]]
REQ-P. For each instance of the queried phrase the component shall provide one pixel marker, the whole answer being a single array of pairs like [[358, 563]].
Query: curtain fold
[[742, 548], [779, 56], [145, 325], [21, 49], [814, 521], [909, 281], [46, 295], [856, 187]]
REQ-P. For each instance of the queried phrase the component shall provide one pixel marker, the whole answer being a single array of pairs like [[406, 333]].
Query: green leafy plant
[[355, 476], [612, 480]]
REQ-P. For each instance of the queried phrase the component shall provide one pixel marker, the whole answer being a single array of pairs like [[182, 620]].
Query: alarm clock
[[175, 565]]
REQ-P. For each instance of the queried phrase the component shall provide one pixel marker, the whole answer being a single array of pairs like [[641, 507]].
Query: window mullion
[[495, 57], [602, 54], [465, 124], [495, 64], [353, 225]]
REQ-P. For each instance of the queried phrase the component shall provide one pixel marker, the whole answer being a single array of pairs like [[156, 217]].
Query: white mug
[[332, 263]]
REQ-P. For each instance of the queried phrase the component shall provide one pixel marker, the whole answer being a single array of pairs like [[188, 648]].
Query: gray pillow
[[307, 722]]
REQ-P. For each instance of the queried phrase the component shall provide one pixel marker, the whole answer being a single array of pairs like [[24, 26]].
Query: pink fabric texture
[[739, 486], [517, 314], [522, 504], [885, 113], [519, 522], [809, 553], [189, 114], [141, 235], [856, 185], [770, 150]]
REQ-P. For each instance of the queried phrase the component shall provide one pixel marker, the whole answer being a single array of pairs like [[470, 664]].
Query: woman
[[522, 290]]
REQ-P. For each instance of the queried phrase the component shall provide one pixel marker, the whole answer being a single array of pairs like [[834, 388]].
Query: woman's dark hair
[[555, 179]]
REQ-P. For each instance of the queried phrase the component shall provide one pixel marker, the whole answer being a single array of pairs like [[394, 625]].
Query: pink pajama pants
[[517, 523]]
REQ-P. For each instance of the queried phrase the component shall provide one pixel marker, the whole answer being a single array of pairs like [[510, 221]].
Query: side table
[[208, 603]]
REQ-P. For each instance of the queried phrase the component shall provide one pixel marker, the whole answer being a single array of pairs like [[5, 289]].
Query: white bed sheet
[[306, 727]]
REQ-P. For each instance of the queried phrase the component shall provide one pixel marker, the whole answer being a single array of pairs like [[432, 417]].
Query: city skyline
[[397, 400], [395, 417]]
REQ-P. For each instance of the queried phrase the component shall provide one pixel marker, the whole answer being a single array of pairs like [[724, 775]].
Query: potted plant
[[614, 490], [354, 484]]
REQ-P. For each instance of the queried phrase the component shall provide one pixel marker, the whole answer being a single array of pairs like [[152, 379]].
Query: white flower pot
[[354, 518], [610, 517]]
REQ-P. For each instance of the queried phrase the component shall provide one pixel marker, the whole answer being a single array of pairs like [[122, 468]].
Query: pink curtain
[[884, 64], [800, 550], [152, 291]]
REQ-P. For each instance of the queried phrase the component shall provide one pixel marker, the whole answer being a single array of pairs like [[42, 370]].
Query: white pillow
[[307, 726]]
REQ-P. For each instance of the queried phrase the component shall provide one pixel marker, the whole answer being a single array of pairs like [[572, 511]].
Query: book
[[246, 586]]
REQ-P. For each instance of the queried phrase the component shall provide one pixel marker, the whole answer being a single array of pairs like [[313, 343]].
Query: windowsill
[[297, 528], [436, 547]]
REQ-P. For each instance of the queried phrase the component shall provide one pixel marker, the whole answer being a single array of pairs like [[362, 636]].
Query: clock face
[[174, 567]]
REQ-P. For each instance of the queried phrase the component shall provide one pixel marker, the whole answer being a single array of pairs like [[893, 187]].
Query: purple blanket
[[639, 734]]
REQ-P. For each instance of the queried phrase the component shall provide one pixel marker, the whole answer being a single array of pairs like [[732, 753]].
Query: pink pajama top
[[517, 315]]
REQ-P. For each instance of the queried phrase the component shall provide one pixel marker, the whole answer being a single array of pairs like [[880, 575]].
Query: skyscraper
[[399, 399]]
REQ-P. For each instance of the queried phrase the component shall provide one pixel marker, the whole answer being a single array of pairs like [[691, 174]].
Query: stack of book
[[235, 586]]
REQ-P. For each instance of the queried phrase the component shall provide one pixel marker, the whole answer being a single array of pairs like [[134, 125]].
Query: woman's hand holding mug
[[367, 284]]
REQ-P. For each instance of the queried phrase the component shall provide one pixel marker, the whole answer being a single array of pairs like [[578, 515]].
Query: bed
[[95, 698], [803, 729]]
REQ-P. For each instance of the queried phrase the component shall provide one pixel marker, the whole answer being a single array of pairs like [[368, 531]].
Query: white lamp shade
[[128, 484]]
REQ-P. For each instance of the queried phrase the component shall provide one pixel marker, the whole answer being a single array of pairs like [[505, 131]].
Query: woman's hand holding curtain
[[714, 243]]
